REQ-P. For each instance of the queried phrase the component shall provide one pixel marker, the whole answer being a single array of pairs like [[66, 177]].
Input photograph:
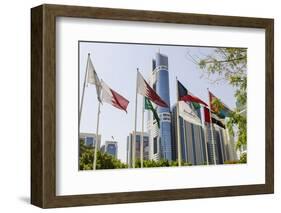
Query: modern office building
[[227, 144], [138, 143], [211, 144], [160, 139], [111, 148], [191, 135], [222, 143], [89, 139]]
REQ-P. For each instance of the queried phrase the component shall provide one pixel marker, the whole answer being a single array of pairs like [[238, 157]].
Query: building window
[[89, 141], [155, 145]]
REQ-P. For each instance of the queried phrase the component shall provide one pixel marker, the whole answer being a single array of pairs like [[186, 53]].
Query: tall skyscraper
[[111, 148], [89, 139], [192, 136], [160, 139], [138, 142]]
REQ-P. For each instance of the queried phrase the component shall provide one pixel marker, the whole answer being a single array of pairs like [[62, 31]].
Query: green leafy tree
[[160, 163], [229, 65], [243, 158], [104, 160]]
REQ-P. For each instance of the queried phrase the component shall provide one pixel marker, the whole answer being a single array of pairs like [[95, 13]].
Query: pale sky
[[116, 64]]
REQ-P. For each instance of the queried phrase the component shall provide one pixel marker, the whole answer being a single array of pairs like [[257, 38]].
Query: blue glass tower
[[161, 85]]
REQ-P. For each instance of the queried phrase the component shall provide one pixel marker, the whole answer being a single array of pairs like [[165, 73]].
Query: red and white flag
[[111, 97], [144, 89]]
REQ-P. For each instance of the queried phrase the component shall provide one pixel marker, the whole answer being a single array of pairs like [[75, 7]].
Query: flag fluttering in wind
[[112, 97], [92, 78], [184, 95], [218, 107], [148, 106], [216, 121], [144, 89], [191, 98], [104, 94]]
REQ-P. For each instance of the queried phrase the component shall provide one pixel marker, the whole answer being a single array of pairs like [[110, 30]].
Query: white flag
[[92, 78]]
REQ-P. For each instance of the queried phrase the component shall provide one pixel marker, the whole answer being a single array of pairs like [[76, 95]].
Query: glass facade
[[138, 142], [193, 147], [223, 146], [162, 88], [111, 148], [89, 141]]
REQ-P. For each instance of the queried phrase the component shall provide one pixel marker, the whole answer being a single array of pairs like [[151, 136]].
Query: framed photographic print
[[136, 106]]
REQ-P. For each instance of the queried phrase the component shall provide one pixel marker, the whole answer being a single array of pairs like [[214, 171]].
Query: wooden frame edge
[[36, 106]]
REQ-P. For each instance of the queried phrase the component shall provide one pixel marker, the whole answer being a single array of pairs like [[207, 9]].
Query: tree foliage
[[107, 161], [104, 160], [229, 65], [160, 163], [243, 159]]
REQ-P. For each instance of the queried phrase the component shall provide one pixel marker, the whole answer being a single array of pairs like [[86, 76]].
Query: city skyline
[[125, 58]]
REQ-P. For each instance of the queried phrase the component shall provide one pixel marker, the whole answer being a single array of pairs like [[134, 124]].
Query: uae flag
[[148, 106], [111, 97], [214, 120], [184, 95], [92, 78], [144, 89], [218, 107]]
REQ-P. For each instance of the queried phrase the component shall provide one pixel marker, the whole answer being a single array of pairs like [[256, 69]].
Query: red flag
[[212, 106], [112, 97], [191, 98], [145, 90], [207, 115]]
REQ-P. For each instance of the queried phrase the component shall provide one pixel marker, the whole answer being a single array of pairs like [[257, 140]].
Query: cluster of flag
[[108, 95], [105, 94], [218, 109], [212, 113]]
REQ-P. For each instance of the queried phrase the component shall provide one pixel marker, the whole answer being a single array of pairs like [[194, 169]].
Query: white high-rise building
[[90, 139]]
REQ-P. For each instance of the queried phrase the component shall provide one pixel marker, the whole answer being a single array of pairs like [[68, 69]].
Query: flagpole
[[142, 129], [83, 91], [211, 128], [178, 126], [136, 109], [97, 139], [205, 137]]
